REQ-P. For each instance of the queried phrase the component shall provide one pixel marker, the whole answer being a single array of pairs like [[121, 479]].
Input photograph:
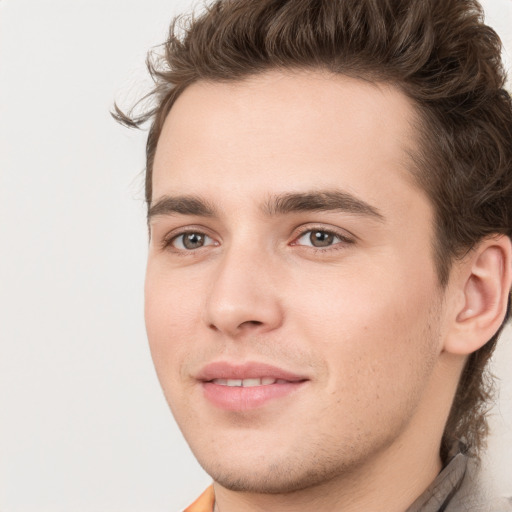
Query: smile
[[246, 386], [248, 383]]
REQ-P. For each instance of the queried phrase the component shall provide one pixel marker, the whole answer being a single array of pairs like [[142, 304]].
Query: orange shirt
[[204, 503]]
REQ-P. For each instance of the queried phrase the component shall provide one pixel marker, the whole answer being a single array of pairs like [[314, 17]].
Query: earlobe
[[484, 284]]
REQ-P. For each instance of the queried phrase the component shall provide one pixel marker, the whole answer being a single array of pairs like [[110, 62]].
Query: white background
[[83, 423]]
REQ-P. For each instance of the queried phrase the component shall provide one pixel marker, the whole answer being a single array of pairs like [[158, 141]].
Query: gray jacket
[[458, 488]]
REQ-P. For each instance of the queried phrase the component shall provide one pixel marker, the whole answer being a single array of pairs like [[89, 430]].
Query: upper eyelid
[[339, 232], [183, 230]]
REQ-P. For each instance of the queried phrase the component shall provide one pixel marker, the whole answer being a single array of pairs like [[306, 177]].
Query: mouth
[[247, 386], [248, 383]]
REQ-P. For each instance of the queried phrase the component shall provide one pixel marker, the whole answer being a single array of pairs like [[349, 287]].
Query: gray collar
[[459, 487], [443, 490]]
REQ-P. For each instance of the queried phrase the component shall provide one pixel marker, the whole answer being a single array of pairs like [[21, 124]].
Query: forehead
[[287, 131]]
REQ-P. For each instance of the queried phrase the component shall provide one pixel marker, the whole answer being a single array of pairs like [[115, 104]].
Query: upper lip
[[249, 370]]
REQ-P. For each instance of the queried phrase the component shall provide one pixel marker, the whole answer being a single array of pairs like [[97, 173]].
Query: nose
[[244, 295]]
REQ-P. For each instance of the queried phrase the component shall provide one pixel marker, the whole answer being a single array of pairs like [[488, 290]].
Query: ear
[[482, 282]]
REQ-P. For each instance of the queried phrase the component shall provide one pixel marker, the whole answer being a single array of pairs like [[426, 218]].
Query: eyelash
[[172, 237], [343, 240]]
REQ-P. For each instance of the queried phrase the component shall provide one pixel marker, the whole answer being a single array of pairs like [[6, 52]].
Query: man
[[329, 189]]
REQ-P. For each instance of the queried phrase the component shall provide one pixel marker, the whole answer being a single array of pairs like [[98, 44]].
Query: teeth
[[247, 383]]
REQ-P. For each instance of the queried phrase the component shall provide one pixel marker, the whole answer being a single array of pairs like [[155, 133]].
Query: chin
[[274, 477], [271, 481]]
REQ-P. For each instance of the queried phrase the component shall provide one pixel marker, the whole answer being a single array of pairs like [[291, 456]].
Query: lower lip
[[238, 398]]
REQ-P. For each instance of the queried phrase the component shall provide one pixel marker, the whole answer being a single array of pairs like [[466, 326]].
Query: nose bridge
[[242, 294]]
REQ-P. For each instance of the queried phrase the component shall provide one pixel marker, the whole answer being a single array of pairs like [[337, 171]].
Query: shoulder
[[476, 494], [461, 487]]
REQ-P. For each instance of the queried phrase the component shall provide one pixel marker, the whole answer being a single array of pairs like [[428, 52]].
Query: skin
[[363, 318]]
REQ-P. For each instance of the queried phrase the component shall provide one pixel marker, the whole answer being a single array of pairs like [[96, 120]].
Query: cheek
[[170, 312], [379, 352], [171, 298], [370, 327]]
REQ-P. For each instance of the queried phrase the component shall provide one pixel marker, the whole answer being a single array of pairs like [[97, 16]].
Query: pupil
[[321, 238], [193, 240]]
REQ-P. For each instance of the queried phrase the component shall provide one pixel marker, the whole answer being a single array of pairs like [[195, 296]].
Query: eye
[[191, 240], [319, 238]]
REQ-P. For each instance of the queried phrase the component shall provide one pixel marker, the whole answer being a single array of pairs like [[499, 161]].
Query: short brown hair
[[438, 52]]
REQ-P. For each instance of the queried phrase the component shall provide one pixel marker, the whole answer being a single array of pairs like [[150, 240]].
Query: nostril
[[248, 324], [251, 322]]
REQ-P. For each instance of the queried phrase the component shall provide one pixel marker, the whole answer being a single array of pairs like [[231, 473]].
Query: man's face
[[291, 250]]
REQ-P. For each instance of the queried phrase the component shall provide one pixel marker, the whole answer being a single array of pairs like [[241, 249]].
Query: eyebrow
[[331, 200], [280, 204], [181, 205]]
